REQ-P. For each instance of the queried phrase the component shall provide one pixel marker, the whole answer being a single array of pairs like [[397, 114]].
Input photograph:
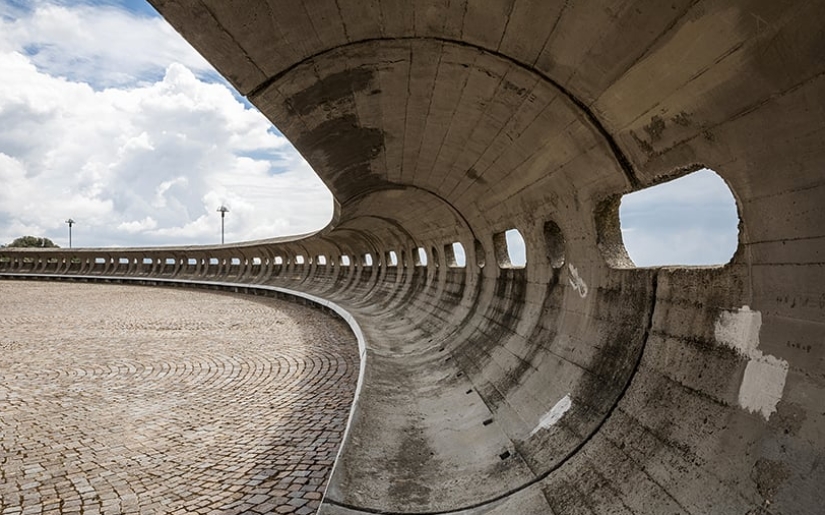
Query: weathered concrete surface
[[578, 384]]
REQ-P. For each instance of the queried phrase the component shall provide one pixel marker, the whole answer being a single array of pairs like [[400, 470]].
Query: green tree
[[31, 241]]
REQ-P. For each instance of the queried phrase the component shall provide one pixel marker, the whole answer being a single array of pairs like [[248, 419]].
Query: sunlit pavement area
[[126, 399]]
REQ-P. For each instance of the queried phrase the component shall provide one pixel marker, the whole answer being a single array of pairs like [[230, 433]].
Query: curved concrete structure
[[579, 383]]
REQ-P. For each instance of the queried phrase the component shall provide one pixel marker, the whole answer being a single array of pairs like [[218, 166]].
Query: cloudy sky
[[691, 220], [107, 116]]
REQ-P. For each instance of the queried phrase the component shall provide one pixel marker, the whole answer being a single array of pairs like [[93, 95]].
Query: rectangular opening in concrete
[[692, 220], [510, 250]]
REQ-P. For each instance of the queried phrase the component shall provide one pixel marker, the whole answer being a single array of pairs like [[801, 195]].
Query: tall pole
[[222, 210], [70, 222]]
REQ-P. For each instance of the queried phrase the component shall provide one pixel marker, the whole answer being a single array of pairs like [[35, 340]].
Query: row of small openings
[[509, 248], [512, 254], [691, 220], [145, 261], [171, 261], [454, 255]]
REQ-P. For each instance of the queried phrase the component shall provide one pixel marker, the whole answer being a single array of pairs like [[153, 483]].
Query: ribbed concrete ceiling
[[674, 390]]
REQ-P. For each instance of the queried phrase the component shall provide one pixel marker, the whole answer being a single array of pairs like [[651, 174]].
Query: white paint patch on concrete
[[739, 329], [576, 281], [764, 379], [554, 415], [762, 386]]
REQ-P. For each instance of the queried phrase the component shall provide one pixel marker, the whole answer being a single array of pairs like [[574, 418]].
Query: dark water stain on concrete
[[473, 175], [788, 419], [769, 475], [682, 119], [412, 466], [655, 128], [645, 145], [340, 146], [345, 151], [335, 88]]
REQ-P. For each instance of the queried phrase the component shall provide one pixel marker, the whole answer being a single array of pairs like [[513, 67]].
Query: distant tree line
[[32, 241]]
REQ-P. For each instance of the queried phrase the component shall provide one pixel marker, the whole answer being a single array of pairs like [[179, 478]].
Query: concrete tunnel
[[580, 383]]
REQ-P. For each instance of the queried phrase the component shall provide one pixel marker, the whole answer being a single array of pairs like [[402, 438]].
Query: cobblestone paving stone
[[132, 400]]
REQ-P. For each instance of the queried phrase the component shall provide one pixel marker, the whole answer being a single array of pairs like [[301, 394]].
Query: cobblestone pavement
[[125, 399]]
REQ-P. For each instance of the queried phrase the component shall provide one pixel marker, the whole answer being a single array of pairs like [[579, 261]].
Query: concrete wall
[[579, 383]]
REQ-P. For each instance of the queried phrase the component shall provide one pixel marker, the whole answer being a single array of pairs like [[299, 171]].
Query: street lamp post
[[70, 222], [222, 210]]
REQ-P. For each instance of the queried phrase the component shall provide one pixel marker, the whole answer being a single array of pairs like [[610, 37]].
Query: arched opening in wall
[[367, 261], [256, 261], [235, 261], [554, 244], [454, 255], [278, 260], [436, 261], [147, 261], [479, 251], [299, 259], [123, 261], [449, 256], [392, 258], [420, 257], [510, 250], [345, 260], [191, 261], [321, 259], [404, 258], [169, 261], [100, 261], [692, 220]]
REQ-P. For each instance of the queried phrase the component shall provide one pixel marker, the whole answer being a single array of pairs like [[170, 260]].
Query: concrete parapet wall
[[578, 383]]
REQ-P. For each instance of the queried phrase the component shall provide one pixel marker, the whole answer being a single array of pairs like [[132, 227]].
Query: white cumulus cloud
[[97, 43], [135, 161]]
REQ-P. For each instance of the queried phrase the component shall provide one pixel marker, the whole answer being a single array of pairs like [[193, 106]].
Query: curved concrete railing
[[578, 383]]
